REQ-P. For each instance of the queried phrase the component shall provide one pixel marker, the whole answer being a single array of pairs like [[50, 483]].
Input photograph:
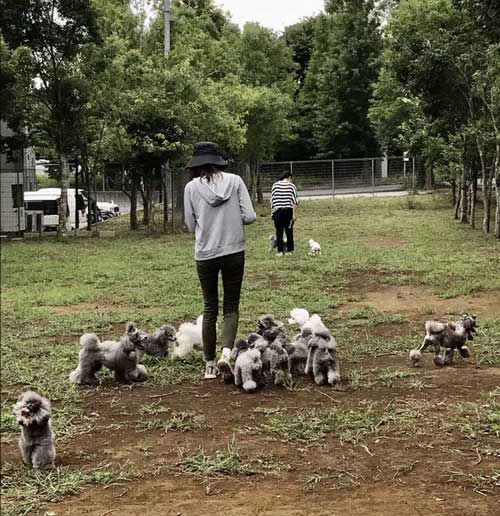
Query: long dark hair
[[205, 171]]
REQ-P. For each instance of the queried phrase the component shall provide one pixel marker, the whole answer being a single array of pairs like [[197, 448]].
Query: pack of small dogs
[[266, 357]]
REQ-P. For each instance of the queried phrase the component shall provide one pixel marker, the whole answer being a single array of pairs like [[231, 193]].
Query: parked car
[[108, 209]]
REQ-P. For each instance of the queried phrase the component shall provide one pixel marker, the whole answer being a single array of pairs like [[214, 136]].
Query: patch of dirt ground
[[387, 473], [418, 300]]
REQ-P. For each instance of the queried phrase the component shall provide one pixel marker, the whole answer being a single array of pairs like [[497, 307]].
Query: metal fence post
[[291, 167], [333, 178], [373, 176]]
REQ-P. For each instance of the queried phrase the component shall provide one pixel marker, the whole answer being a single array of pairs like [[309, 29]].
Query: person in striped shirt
[[283, 205]]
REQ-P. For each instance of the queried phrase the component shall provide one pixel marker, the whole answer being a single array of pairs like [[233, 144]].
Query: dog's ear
[[130, 328]]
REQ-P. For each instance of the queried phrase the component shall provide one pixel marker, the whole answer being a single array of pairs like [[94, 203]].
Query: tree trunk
[[134, 223], [463, 197], [472, 201], [429, 177], [453, 191], [164, 177], [457, 201], [253, 182], [145, 207], [487, 205], [63, 200], [88, 186], [496, 171], [486, 178], [260, 195]]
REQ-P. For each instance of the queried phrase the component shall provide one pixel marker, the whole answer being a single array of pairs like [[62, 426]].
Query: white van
[[46, 200]]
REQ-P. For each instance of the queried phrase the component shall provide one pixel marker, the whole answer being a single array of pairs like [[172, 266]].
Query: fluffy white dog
[[314, 248], [36, 443], [300, 317], [189, 337]]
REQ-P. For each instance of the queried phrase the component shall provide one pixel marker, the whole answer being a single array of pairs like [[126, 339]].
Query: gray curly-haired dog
[[122, 357], [445, 338], [158, 344], [298, 350], [269, 327], [36, 443], [322, 359], [247, 368], [274, 356]]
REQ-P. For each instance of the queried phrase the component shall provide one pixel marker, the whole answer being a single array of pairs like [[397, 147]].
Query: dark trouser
[[283, 220], [232, 267]]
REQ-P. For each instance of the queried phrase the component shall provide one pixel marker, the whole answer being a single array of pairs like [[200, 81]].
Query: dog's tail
[[89, 341]]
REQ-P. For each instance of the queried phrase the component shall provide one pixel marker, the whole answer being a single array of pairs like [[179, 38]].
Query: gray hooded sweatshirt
[[215, 212]]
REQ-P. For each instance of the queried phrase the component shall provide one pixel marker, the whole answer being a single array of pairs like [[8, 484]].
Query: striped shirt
[[283, 195]]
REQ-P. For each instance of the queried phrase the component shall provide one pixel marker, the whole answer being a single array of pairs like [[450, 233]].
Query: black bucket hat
[[207, 153]]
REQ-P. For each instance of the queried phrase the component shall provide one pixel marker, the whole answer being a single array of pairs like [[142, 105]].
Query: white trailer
[[47, 200]]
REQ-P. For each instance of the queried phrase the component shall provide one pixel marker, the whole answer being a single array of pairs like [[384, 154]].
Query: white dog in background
[[314, 248], [188, 337], [300, 317]]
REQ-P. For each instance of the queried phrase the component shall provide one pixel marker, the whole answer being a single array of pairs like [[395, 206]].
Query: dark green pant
[[231, 267]]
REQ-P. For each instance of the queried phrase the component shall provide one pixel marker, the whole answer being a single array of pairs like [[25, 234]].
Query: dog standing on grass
[[122, 357], [36, 443]]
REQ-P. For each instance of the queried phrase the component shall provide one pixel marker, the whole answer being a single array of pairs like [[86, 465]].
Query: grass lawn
[[387, 265]]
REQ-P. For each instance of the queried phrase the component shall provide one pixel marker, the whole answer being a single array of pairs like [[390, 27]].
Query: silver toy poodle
[[444, 339], [122, 357], [322, 359], [36, 443], [247, 367]]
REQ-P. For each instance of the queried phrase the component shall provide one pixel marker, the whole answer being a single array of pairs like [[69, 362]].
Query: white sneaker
[[225, 366], [279, 254], [210, 370]]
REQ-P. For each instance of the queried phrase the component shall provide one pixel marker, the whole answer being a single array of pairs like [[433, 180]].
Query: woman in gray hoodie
[[216, 207]]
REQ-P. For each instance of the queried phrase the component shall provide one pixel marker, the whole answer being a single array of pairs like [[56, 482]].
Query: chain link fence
[[312, 178]]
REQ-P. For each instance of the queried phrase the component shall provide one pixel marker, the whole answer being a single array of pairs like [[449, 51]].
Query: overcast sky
[[275, 14]]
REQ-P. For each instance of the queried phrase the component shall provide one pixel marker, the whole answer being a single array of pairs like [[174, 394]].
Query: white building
[[17, 175]]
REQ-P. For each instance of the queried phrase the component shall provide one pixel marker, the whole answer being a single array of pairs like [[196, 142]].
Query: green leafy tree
[[55, 32], [338, 84]]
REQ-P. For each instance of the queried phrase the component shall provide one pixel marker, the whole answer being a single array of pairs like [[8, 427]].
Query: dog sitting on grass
[[122, 357], [444, 339], [36, 443]]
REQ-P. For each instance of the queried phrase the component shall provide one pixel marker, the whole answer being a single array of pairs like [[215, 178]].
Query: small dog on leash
[[322, 359], [122, 357], [158, 344], [314, 248], [298, 350], [36, 443], [300, 317], [247, 367], [444, 339], [189, 337]]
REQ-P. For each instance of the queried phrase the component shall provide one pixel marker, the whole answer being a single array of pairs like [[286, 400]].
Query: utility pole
[[166, 17]]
